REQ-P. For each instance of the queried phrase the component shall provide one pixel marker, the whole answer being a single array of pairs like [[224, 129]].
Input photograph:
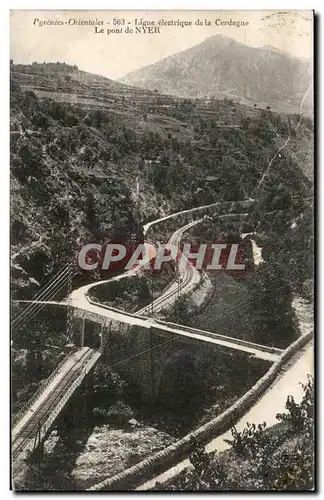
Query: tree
[[107, 384], [274, 322], [300, 416], [181, 310]]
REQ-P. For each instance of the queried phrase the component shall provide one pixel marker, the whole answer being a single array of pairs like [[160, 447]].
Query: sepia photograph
[[162, 240]]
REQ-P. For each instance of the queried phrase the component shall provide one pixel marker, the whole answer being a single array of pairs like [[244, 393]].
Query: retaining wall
[[163, 460]]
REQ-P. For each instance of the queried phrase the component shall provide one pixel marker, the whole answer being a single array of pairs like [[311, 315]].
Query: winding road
[[188, 278]]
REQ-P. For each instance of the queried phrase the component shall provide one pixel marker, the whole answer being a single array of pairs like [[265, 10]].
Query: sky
[[115, 54]]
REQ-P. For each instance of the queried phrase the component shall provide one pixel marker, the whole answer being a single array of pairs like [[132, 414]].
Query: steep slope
[[90, 158], [220, 67]]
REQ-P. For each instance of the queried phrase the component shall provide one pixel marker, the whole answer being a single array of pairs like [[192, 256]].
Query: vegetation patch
[[260, 459]]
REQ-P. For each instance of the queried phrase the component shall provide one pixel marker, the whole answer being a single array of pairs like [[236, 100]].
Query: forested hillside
[[84, 171]]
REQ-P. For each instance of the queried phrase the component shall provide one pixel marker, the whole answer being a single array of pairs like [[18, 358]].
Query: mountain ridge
[[221, 67]]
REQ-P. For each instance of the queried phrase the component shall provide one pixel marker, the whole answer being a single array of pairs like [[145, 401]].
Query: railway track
[[26, 433], [186, 276]]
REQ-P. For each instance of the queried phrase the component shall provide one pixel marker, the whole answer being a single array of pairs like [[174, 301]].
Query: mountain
[[221, 67]]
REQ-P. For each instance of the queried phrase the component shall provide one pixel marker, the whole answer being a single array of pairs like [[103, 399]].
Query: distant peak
[[226, 42], [219, 36]]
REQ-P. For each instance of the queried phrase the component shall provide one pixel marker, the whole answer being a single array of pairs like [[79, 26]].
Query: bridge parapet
[[233, 340], [41, 388], [136, 475], [30, 431]]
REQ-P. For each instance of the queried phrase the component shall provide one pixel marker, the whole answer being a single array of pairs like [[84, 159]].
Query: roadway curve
[[78, 299], [188, 278]]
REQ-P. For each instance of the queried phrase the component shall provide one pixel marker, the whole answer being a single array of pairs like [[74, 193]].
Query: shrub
[[249, 440], [210, 473], [107, 383], [119, 414], [300, 416]]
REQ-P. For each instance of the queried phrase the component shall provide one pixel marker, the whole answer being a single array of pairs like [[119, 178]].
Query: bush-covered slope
[[83, 172]]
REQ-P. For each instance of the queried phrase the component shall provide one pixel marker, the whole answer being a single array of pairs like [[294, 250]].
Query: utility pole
[[152, 294], [69, 313], [179, 281]]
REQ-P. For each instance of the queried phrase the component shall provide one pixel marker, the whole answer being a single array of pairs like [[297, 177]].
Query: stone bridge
[[153, 354]]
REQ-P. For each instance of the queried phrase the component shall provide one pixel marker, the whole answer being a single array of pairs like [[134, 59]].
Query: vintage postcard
[[162, 248]]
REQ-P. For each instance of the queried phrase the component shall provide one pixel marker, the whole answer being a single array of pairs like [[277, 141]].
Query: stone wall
[[161, 461]]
